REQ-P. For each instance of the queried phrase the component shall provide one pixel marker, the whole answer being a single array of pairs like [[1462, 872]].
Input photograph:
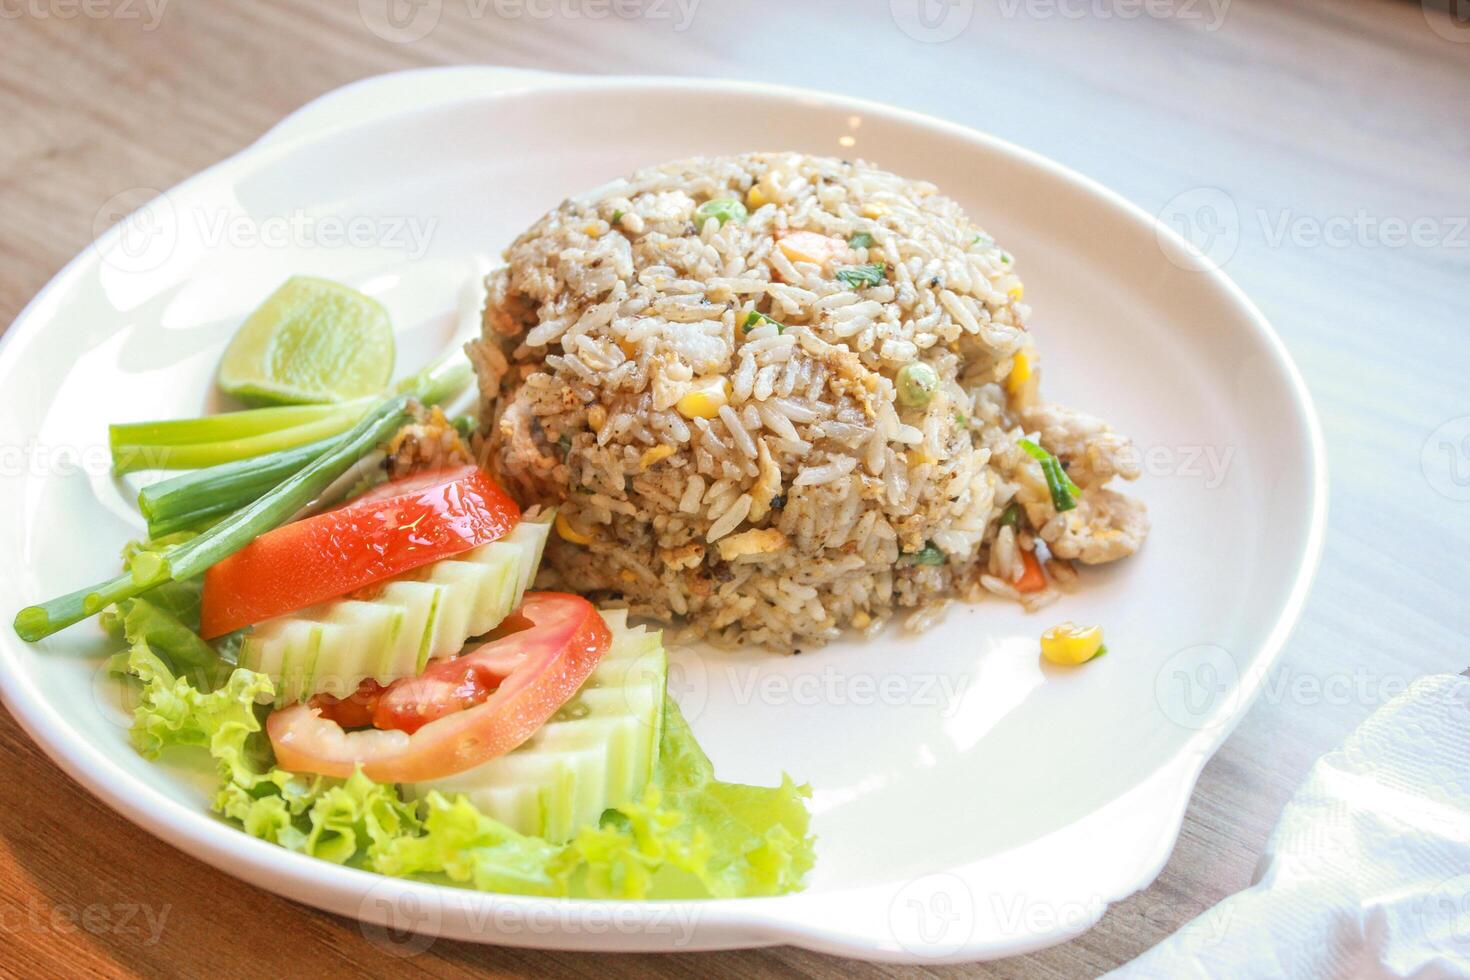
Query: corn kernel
[[705, 402], [569, 533], [1016, 292], [1070, 644], [593, 229], [596, 418], [1020, 372], [756, 198], [654, 455]]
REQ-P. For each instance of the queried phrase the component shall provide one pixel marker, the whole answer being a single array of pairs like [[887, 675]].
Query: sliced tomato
[[444, 687], [396, 528], [460, 712]]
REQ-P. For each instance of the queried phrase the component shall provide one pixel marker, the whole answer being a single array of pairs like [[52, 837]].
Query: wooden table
[[1332, 127]]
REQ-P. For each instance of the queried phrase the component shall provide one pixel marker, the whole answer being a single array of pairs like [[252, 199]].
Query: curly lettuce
[[691, 836]]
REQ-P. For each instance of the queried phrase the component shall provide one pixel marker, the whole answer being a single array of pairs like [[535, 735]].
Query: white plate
[[969, 802]]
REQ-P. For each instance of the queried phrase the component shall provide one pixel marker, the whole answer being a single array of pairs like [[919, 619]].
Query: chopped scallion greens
[[1010, 516], [1064, 492], [857, 276], [754, 319], [860, 240]]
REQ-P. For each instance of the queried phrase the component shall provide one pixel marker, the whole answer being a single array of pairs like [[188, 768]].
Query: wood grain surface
[[1326, 125]]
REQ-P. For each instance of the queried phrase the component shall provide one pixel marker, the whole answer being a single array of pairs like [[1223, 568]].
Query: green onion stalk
[[215, 440], [192, 501], [187, 444], [1064, 492], [191, 558]]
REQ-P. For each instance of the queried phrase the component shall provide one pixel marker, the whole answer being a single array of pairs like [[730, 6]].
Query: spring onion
[[754, 319], [1010, 516], [189, 501], [230, 425], [215, 440], [184, 561], [860, 239], [1064, 492], [857, 276], [129, 457]]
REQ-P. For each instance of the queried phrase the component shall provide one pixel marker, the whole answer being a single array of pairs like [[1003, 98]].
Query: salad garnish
[[333, 604]]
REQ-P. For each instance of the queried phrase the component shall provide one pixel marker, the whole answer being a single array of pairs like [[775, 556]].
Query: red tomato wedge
[[394, 529], [466, 710], [444, 687]]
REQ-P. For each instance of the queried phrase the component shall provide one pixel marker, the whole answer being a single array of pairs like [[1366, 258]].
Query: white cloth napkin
[[1368, 872]]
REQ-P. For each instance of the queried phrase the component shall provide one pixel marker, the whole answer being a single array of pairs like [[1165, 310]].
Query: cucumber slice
[[597, 752], [420, 602], [429, 613]]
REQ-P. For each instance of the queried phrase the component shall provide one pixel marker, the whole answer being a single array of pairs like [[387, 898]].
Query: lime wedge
[[311, 341]]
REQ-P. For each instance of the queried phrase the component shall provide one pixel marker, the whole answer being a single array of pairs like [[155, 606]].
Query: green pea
[[917, 384], [928, 555], [722, 209]]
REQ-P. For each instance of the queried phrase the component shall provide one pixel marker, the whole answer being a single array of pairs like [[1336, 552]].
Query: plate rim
[[743, 922]]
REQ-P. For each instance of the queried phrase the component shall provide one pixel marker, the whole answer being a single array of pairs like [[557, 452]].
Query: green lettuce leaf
[[736, 840], [141, 621], [691, 836]]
